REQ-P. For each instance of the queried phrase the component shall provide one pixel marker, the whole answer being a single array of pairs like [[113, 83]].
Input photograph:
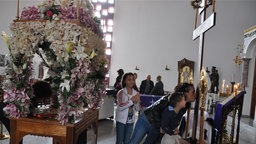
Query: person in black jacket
[[149, 121], [118, 84], [170, 116], [158, 88], [146, 85]]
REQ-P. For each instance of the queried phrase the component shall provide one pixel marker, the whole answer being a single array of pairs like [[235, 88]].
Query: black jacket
[[143, 87], [158, 89], [153, 112]]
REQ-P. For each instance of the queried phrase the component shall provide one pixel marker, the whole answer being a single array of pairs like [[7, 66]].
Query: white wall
[[8, 9], [151, 34]]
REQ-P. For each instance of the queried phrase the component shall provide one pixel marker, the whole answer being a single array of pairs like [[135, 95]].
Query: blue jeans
[[153, 137], [123, 132], [142, 128]]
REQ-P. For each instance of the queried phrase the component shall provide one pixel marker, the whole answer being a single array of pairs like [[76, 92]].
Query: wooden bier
[[62, 134], [231, 104]]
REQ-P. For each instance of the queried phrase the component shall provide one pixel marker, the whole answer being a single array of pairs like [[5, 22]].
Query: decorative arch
[[249, 52], [249, 41]]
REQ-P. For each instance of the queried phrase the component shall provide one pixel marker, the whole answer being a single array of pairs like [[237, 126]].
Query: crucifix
[[201, 8]]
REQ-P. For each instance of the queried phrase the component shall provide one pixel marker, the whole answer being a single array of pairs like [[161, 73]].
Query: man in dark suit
[[146, 85], [159, 87]]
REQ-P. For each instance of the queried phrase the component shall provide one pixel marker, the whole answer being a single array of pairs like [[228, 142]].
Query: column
[[246, 62]]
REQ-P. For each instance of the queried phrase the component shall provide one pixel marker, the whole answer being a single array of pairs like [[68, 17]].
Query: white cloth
[[124, 102], [170, 139]]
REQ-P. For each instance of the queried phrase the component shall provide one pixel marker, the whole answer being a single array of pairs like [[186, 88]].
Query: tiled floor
[[107, 134]]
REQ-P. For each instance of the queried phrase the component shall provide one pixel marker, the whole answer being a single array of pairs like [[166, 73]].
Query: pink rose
[[49, 13]]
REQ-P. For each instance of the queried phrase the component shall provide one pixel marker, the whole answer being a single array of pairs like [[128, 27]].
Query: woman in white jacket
[[127, 104]]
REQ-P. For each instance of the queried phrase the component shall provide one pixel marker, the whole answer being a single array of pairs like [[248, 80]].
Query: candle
[[235, 88], [223, 85], [238, 85], [232, 78], [215, 89], [18, 10], [228, 89]]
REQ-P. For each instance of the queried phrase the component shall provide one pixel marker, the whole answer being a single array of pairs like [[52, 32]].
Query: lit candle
[[228, 89], [235, 88], [238, 85], [222, 87], [18, 10]]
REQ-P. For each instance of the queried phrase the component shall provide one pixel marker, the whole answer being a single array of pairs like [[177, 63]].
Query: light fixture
[[167, 68]]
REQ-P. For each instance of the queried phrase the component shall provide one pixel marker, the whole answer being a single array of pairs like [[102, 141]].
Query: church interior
[[81, 51]]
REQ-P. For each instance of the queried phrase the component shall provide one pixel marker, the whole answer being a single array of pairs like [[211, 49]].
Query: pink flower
[[49, 13]]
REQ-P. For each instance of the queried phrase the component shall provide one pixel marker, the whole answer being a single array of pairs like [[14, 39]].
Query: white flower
[[24, 66], [80, 52], [65, 85]]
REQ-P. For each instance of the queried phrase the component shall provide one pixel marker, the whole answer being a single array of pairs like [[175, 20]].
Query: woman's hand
[[136, 98], [176, 131], [162, 131]]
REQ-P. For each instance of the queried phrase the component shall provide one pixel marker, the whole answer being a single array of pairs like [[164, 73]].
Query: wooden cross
[[199, 31]]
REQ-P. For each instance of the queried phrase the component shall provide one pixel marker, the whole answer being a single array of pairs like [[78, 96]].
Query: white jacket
[[123, 103]]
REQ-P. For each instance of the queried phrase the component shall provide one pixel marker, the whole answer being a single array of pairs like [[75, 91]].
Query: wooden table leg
[[95, 129], [59, 140], [12, 131]]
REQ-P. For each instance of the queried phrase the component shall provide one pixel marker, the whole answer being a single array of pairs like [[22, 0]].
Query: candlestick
[[232, 86], [18, 10]]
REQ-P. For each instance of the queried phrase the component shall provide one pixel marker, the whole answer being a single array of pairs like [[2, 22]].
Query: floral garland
[[73, 52], [48, 10]]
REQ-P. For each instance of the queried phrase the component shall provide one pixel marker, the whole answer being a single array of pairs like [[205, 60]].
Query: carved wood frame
[[185, 63]]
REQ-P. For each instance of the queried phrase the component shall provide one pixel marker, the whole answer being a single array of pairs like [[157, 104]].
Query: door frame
[[253, 100]]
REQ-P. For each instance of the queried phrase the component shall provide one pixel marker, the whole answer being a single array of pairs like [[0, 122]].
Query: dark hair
[[175, 98], [125, 77], [183, 87], [120, 72]]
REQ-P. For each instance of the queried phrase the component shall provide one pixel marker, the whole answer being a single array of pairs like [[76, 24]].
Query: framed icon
[[186, 71]]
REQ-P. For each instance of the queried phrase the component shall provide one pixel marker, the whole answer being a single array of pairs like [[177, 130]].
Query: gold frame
[[186, 69]]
